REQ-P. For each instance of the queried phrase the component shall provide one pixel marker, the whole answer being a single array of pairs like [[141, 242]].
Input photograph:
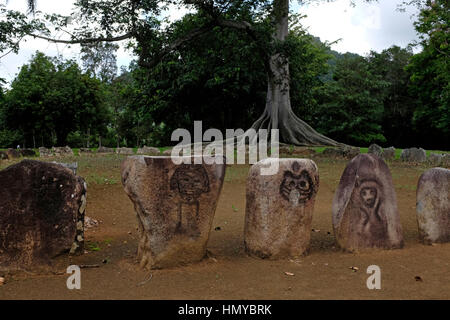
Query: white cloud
[[367, 26]]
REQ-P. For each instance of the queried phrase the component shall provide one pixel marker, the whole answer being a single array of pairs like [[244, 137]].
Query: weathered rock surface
[[302, 151], [350, 153], [446, 160], [13, 154], [389, 153], [433, 205], [41, 214], [376, 150], [285, 149], [44, 152], [90, 223], [126, 151], [413, 155], [364, 207], [345, 152], [333, 153], [435, 159], [293, 150], [62, 151], [27, 153], [175, 207], [148, 151], [105, 150], [279, 208]]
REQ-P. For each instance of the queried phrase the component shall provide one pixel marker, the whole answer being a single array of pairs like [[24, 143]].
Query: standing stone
[[126, 151], [105, 150], [41, 214], [44, 152], [435, 159], [62, 151], [413, 155], [389, 153], [148, 151], [175, 206], [376, 150], [27, 153], [279, 208], [333, 153], [433, 206], [365, 206], [446, 160], [286, 149], [13, 154], [350, 152]]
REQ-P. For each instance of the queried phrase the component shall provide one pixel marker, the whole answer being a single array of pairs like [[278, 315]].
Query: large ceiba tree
[[119, 20]]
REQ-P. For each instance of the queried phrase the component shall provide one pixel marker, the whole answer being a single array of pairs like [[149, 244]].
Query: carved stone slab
[[364, 208], [175, 206], [433, 205], [279, 208], [41, 214]]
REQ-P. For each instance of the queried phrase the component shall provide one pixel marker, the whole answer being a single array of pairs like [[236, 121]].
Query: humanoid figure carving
[[190, 182]]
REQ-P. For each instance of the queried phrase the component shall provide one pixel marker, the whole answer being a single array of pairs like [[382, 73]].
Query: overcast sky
[[366, 27]]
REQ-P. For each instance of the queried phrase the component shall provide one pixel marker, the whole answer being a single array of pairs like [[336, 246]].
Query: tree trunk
[[278, 113]]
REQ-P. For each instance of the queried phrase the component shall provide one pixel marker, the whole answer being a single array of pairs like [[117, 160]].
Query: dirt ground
[[227, 272]]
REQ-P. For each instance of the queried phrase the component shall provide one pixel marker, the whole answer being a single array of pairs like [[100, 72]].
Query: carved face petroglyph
[[369, 196], [297, 188], [369, 193], [190, 181]]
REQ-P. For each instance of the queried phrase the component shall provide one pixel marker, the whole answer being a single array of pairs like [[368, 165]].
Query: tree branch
[[241, 25], [176, 44], [87, 40]]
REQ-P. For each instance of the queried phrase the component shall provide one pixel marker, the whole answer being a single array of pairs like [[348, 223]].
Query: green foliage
[[430, 74], [76, 139], [399, 103], [351, 106], [199, 81], [51, 98], [308, 63], [14, 26]]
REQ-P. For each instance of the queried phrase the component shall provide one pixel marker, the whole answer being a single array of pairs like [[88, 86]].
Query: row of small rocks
[[67, 151], [15, 154], [414, 155]]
